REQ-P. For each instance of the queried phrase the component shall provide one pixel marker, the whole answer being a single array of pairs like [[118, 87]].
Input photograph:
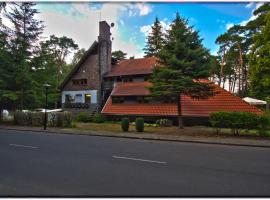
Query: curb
[[141, 137]]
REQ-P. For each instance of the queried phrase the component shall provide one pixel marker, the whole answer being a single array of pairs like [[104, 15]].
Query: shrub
[[164, 122], [125, 124], [234, 120], [139, 124], [83, 117], [37, 118], [98, 118]]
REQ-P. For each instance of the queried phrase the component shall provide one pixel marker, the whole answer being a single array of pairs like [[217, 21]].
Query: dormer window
[[79, 82]]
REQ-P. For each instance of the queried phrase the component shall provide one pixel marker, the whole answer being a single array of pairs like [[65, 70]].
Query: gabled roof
[[133, 67], [78, 65], [222, 101]]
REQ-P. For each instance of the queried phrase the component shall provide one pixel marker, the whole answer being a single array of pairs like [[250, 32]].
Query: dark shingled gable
[[90, 51]]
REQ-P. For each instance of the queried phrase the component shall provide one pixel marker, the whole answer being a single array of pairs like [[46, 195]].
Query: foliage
[[125, 124], [83, 117], [164, 122], [183, 60], [139, 122], [238, 120], [77, 56], [155, 39], [17, 51], [98, 118], [260, 62], [118, 55], [244, 56]]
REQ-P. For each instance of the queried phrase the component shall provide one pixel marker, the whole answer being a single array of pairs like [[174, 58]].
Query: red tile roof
[[133, 67], [131, 89], [223, 101]]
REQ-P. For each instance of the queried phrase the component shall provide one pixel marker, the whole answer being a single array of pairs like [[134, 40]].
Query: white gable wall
[[82, 92]]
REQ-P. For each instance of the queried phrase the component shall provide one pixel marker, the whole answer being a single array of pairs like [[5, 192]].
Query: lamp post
[[46, 86]]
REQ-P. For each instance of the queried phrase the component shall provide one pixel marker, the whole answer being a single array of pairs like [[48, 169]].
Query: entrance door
[[87, 98]]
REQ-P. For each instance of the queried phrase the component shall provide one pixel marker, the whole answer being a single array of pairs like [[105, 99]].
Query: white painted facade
[[79, 96]]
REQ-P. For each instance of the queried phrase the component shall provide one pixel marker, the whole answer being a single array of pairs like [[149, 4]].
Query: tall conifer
[[183, 61], [155, 39]]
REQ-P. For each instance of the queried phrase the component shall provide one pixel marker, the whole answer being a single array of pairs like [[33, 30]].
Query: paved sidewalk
[[254, 142]]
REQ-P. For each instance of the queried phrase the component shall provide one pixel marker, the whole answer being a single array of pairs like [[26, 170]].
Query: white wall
[[82, 92]]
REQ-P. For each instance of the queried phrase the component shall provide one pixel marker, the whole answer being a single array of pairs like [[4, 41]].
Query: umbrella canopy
[[253, 101]]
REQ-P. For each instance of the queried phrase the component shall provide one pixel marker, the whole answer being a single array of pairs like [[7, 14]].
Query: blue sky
[[133, 20]]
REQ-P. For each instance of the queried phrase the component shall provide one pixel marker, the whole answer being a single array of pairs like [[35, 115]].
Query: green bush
[[98, 118], [237, 121], [125, 124], [164, 122], [83, 117], [139, 124]]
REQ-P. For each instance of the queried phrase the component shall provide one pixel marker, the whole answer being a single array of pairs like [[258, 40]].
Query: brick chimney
[[105, 47]]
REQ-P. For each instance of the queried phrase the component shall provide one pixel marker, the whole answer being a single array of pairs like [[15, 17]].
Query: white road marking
[[138, 159], [25, 146]]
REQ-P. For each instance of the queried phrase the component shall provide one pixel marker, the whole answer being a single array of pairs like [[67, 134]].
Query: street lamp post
[[46, 86]]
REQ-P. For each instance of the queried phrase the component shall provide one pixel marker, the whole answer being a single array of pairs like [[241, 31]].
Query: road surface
[[46, 164]]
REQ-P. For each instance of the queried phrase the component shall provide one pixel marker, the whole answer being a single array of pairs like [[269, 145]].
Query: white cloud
[[243, 23], [249, 5], [147, 28], [144, 9], [81, 24], [229, 25]]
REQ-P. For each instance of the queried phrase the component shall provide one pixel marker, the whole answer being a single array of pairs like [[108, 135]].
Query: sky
[[133, 21]]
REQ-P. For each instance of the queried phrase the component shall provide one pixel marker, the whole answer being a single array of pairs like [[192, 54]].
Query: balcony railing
[[76, 105]]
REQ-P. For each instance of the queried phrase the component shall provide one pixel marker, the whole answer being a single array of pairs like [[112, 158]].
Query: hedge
[[83, 117], [125, 124], [98, 118], [139, 122], [238, 120]]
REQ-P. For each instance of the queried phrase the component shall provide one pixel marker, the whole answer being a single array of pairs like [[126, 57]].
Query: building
[[120, 89]]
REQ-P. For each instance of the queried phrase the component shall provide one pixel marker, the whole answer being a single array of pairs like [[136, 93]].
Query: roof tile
[[133, 67], [223, 101]]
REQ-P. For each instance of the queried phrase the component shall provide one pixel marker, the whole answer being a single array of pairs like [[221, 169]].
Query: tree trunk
[[180, 118], [240, 71]]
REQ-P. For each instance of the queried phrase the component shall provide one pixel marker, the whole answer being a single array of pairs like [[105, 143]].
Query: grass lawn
[[187, 131]]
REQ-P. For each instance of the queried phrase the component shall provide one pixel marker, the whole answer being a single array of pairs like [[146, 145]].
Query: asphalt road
[[43, 164]]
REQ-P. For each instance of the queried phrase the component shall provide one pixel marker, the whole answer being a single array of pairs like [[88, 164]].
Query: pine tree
[[23, 43], [155, 39], [118, 55], [259, 61], [183, 61]]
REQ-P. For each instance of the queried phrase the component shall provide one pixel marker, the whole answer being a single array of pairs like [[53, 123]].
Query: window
[[142, 100], [79, 81], [118, 99], [67, 98], [78, 98]]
